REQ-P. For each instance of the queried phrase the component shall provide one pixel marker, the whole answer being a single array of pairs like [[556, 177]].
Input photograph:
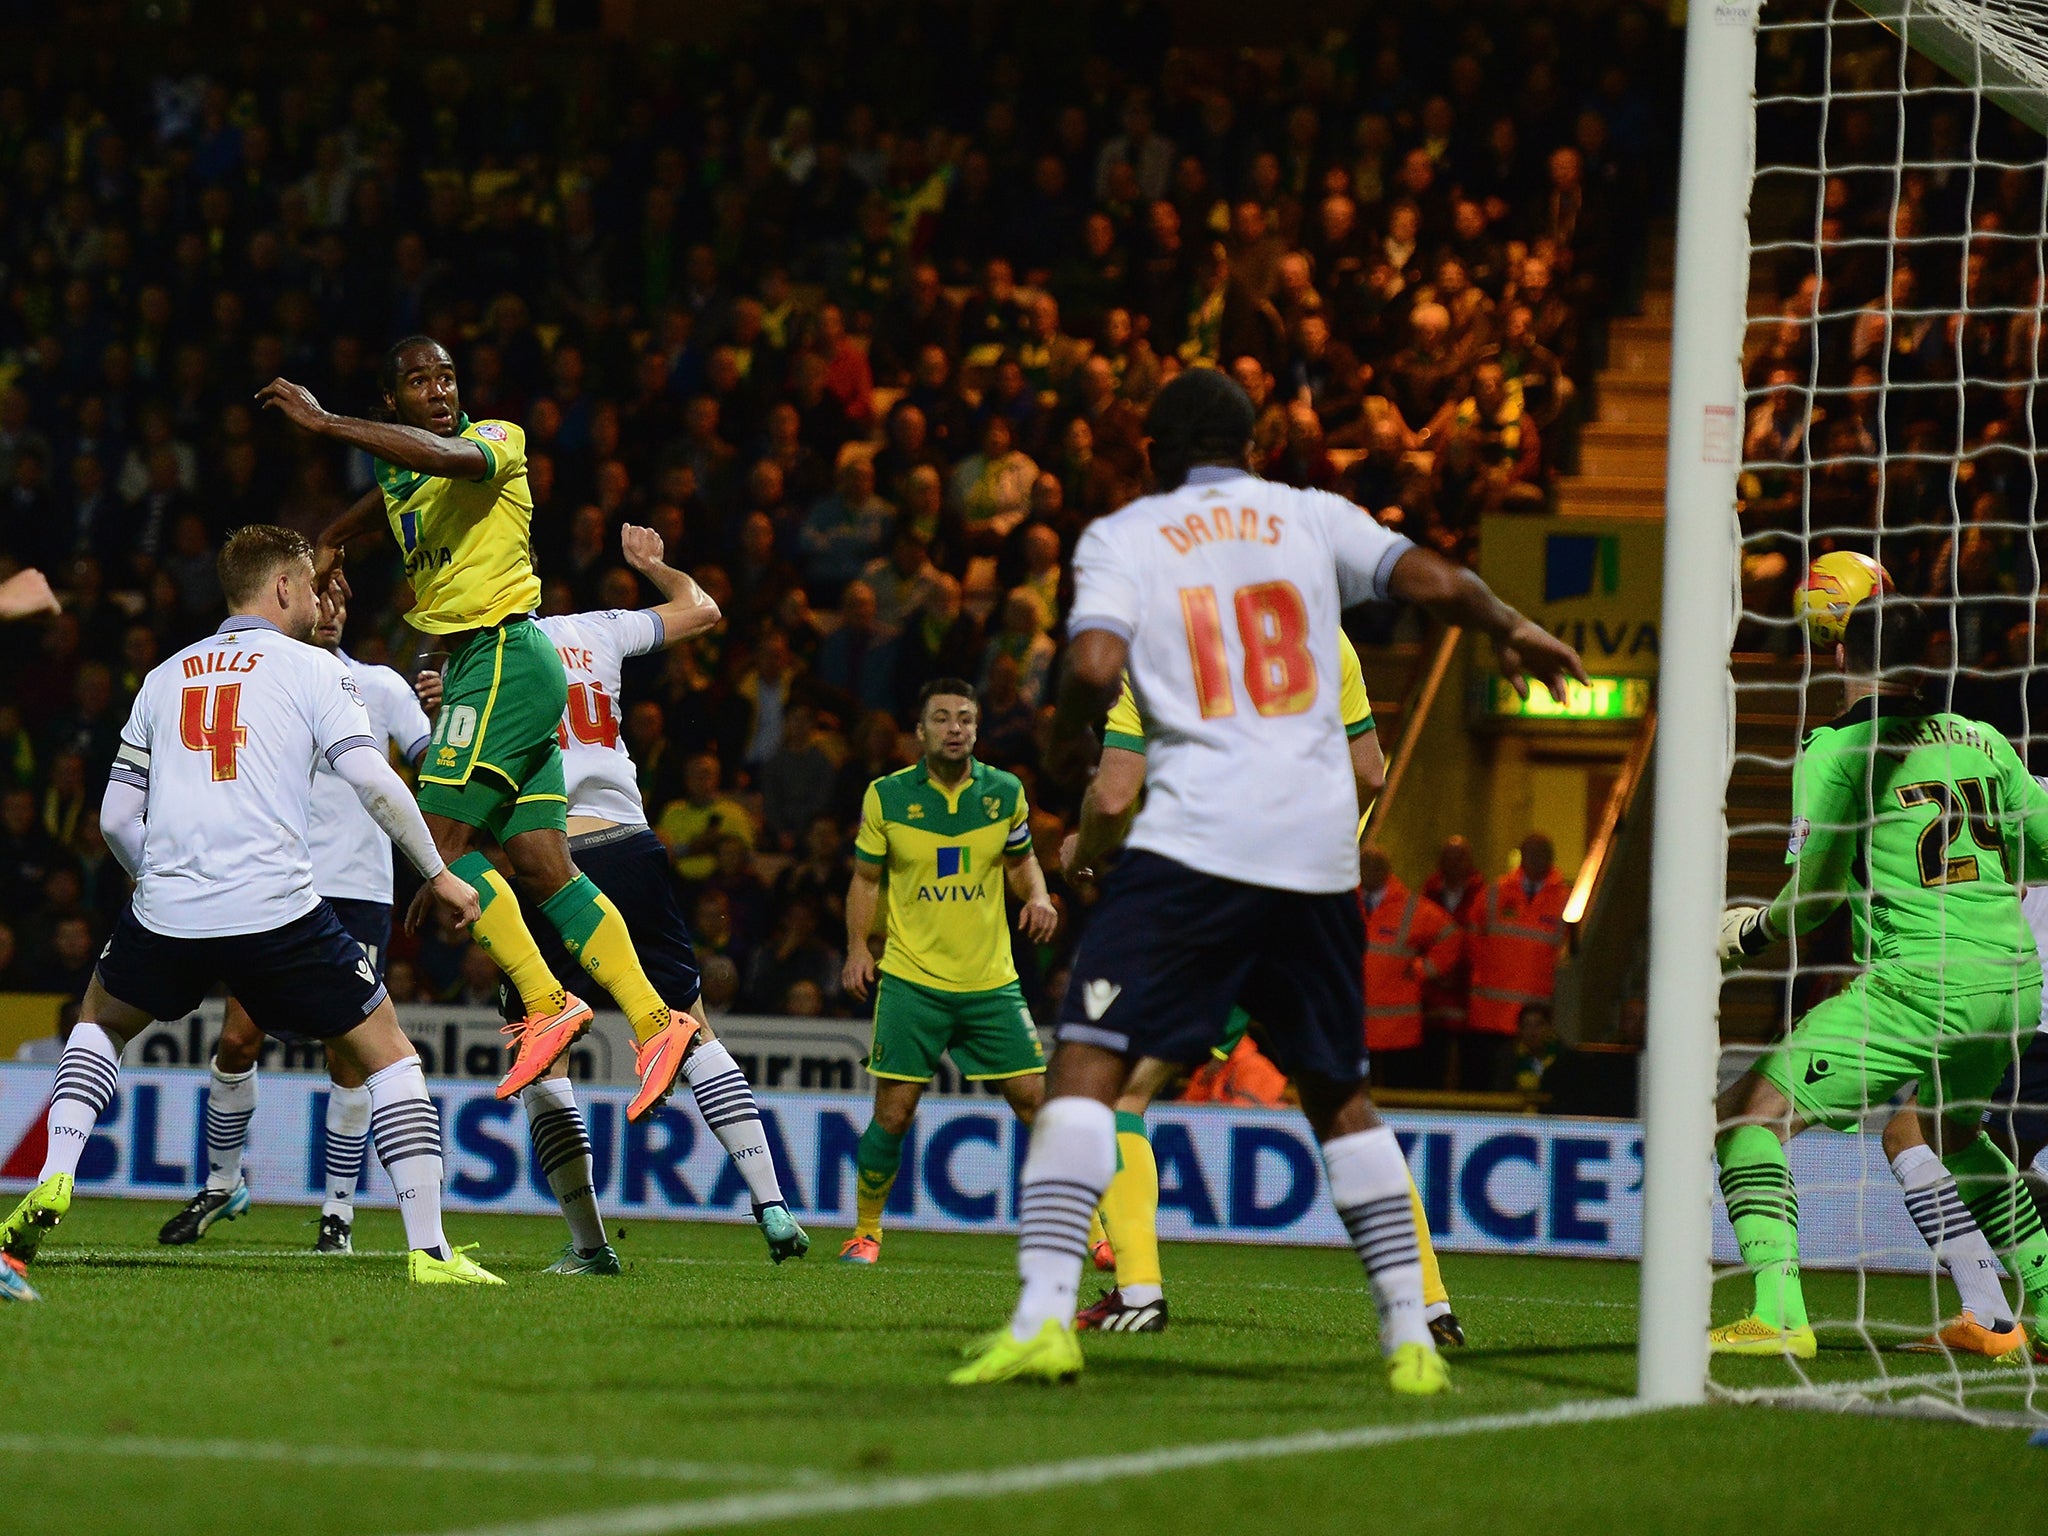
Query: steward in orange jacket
[[1409, 941], [1456, 886], [1515, 942]]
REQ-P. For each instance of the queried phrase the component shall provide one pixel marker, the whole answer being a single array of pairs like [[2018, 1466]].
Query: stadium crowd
[[1895, 355], [866, 338]]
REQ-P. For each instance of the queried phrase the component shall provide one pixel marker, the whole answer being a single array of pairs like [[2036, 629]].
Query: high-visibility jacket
[[1514, 951], [1246, 1077], [1444, 1001], [1409, 940]]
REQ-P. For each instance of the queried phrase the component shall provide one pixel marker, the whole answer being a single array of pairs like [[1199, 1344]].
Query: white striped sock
[[1369, 1187], [561, 1142], [1072, 1158], [727, 1104], [230, 1105]]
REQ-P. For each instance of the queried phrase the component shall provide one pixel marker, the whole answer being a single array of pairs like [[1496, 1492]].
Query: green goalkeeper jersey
[[1926, 823]]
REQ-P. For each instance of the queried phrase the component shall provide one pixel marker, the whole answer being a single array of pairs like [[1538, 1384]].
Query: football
[[1832, 587]]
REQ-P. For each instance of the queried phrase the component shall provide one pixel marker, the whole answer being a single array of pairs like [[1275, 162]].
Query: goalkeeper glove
[[1743, 932]]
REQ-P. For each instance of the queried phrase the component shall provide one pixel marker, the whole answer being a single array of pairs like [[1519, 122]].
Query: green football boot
[[786, 1240], [601, 1260]]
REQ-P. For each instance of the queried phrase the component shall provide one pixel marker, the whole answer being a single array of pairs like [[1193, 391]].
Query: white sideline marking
[[863, 1497], [146, 1448]]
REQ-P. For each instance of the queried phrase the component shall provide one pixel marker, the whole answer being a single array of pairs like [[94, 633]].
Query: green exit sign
[[1606, 699]]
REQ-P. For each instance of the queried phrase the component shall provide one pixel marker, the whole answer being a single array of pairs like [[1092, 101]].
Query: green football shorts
[[495, 761], [988, 1034], [1855, 1051]]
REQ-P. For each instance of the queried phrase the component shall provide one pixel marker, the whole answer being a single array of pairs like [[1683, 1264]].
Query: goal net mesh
[[1893, 367]]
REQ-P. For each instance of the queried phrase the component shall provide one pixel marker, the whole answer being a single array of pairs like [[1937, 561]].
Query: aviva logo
[[953, 861], [1581, 565]]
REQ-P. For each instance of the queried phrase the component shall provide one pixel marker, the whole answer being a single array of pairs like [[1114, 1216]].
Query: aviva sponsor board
[[1491, 1184], [1595, 582]]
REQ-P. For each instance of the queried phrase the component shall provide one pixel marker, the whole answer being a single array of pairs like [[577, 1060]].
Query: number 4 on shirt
[[212, 725], [592, 720], [1272, 625]]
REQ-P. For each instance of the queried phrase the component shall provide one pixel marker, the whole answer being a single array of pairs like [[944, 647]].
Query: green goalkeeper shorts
[[1878, 1035], [988, 1034], [495, 761]]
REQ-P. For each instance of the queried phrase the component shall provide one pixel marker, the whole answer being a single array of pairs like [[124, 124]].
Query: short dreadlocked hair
[[1202, 416]]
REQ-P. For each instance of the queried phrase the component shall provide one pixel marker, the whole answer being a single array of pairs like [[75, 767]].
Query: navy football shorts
[[631, 867], [2019, 1104], [369, 924], [308, 980], [1169, 951]]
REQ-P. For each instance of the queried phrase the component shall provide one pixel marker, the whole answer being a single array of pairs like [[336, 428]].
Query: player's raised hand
[[858, 974], [1529, 650], [296, 401], [26, 593], [427, 688], [642, 548], [1038, 920]]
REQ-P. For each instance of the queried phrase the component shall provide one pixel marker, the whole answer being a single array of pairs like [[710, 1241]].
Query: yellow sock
[[1433, 1292], [1130, 1207], [596, 935], [1097, 1233], [876, 1162], [867, 1205], [504, 936]]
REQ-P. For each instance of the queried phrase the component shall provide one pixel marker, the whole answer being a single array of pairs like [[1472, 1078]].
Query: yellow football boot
[[1051, 1354]]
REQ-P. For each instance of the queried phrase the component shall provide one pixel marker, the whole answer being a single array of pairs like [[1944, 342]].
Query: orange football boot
[[539, 1040], [658, 1060], [1964, 1335]]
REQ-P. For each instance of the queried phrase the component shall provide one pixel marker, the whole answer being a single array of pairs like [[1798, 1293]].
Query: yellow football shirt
[[944, 854], [1125, 727], [468, 544]]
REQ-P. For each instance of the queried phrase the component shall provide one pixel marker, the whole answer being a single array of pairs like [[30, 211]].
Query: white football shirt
[[351, 854], [1228, 591], [223, 740], [594, 646]]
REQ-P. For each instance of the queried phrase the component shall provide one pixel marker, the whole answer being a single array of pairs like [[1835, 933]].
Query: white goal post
[[1689, 850]]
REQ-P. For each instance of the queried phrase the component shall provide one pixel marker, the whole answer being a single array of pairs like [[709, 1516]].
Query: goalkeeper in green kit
[[1926, 824]]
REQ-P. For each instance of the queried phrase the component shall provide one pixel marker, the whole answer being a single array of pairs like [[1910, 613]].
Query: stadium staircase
[[1621, 448]]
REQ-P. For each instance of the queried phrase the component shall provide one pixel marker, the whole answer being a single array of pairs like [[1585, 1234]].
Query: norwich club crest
[[993, 804]]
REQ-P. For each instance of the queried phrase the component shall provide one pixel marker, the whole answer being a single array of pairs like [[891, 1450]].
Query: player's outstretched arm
[[383, 794], [365, 515], [413, 448], [1457, 596], [1818, 884], [686, 608], [26, 593]]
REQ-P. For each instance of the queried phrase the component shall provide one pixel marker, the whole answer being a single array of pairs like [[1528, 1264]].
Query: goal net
[[1892, 406]]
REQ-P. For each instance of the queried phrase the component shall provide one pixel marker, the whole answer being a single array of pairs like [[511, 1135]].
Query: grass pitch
[[243, 1385]]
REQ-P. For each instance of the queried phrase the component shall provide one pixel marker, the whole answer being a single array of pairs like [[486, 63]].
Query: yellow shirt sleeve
[[1351, 695], [871, 843], [503, 443], [1018, 843], [1125, 727]]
